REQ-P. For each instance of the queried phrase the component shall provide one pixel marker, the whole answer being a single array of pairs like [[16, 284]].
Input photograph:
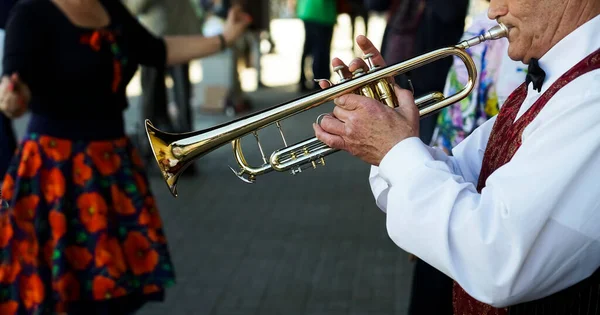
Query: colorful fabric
[[505, 140], [457, 121], [81, 224]]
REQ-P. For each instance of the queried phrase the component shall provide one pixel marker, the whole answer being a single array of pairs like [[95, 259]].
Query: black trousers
[[155, 98], [318, 45], [431, 291]]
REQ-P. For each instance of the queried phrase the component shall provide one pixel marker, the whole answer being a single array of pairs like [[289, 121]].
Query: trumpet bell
[[159, 143], [162, 144]]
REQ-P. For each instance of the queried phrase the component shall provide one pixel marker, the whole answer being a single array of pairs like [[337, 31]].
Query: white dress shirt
[[535, 227]]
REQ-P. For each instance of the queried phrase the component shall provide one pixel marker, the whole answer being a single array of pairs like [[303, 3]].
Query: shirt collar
[[569, 51]]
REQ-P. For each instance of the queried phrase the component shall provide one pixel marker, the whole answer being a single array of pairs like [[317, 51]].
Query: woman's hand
[[236, 24], [14, 96]]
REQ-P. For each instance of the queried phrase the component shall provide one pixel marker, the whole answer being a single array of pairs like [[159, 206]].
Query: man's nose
[[497, 9]]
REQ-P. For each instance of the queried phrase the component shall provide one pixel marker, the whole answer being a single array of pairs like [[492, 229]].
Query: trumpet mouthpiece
[[496, 32]]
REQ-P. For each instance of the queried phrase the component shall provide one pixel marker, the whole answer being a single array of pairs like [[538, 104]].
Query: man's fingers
[[368, 48], [333, 141], [337, 62], [341, 114], [347, 70], [406, 103], [324, 84], [358, 63], [352, 101], [332, 125], [404, 97]]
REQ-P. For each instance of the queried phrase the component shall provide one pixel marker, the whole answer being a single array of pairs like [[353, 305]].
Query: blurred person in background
[[260, 11], [166, 18], [8, 141], [82, 234], [497, 77], [319, 17], [216, 11], [354, 9], [441, 24], [398, 43]]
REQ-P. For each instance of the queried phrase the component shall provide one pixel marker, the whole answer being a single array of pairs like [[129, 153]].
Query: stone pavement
[[313, 243]]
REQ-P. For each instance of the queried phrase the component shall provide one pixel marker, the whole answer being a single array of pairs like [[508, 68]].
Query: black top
[[5, 6], [77, 75]]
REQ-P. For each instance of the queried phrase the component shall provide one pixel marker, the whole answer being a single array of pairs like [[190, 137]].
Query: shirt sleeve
[[147, 49], [535, 227], [465, 162], [23, 41]]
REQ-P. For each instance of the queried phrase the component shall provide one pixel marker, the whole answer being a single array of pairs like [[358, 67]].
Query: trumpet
[[174, 152]]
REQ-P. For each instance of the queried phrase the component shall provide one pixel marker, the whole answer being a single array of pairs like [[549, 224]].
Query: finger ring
[[320, 117]]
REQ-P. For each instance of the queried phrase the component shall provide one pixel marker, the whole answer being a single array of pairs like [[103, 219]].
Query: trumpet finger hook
[[241, 176]]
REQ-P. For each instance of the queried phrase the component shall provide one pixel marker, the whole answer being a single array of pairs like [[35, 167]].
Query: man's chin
[[515, 54]]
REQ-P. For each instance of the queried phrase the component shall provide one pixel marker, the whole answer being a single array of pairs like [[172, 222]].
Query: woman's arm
[[181, 49], [22, 43], [150, 50]]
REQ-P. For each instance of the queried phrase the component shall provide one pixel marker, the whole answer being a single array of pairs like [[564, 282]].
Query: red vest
[[504, 141]]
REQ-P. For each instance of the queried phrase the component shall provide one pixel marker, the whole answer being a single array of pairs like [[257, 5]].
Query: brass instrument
[[175, 152]]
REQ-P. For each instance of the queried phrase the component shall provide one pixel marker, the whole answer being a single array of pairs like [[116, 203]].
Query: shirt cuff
[[403, 158]]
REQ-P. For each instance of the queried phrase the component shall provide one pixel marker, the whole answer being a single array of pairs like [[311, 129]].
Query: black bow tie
[[535, 74]]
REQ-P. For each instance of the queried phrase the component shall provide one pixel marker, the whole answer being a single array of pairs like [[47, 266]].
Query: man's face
[[535, 25]]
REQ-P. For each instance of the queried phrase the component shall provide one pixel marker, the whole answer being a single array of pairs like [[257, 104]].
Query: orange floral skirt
[[80, 224]]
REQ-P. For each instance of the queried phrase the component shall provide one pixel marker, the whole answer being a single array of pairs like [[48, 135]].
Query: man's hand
[[14, 96], [363, 126]]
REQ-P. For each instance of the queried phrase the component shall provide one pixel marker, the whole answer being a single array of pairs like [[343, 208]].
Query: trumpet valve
[[340, 72], [358, 73], [369, 59]]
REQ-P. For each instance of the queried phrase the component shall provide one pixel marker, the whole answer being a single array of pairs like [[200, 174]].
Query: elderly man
[[514, 215]]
